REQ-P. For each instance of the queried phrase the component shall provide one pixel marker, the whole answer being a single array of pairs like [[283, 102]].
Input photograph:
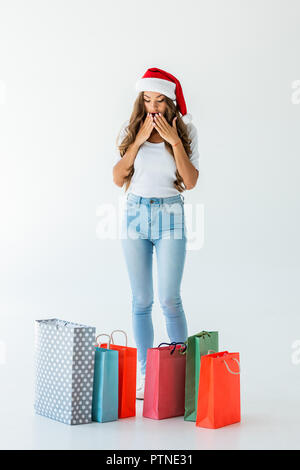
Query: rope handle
[[203, 334], [103, 334], [200, 335], [63, 321], [211, 351], [231, 371], [183, 351], [120, 331], [174, 344]]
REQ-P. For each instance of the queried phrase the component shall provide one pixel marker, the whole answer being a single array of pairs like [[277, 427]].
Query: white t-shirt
[[154, 167]]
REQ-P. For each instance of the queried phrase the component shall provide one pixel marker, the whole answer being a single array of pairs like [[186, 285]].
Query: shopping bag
[[105, 390], [197, 346], [219, 390], [64, 357], [127, 376], [164, 381]]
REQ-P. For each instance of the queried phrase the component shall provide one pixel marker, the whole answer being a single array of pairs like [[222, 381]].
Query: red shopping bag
[[127, 377], [219, 390], [165, 381]]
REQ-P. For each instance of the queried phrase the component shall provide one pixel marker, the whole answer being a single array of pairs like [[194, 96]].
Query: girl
[[157, 159]]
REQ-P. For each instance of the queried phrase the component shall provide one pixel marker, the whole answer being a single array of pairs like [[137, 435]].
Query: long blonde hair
[[138, 115]]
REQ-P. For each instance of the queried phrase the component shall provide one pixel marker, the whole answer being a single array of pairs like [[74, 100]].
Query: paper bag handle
[[203, 334], [174, 344], [200, 335], [103, 334], [231, 371], [120, 331]]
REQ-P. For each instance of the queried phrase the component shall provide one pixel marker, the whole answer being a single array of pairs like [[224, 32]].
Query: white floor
[[265, 425], [270, 384]]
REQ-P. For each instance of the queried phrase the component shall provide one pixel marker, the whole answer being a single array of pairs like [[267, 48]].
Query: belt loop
[[182, 197], [139, 202]]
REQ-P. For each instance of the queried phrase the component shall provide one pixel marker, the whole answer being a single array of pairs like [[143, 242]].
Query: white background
[[67, 75]]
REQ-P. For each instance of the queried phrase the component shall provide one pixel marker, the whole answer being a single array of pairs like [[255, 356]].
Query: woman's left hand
[[167, 132]]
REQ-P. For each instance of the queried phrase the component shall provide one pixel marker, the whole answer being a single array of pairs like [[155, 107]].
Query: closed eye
[[157, 101]]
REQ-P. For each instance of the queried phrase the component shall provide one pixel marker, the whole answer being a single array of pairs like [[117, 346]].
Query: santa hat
[[160, 81]]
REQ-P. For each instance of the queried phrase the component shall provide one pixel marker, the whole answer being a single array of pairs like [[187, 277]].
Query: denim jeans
[[159, 222]]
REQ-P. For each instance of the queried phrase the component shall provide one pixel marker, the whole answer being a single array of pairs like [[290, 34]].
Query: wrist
[[176, 142], [137, 144]]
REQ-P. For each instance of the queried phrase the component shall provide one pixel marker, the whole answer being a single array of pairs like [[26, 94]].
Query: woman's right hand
[[145, 130]]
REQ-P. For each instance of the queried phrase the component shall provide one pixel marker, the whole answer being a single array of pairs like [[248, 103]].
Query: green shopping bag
[[197, 346]]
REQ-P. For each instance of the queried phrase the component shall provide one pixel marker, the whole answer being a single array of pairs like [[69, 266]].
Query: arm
[[184, 166], [124, 166]]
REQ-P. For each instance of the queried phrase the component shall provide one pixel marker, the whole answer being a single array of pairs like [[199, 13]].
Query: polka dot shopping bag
[[64, 356]]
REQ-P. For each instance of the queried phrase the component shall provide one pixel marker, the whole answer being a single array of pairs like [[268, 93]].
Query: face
[[154, 102]]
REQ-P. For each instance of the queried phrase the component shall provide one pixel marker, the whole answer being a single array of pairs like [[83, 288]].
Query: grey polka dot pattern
[[64, 355]]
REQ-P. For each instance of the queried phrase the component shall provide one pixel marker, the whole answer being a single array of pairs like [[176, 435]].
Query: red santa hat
[[160, 81]]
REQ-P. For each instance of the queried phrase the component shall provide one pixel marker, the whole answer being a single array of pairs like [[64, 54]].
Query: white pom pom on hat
[[158, 80], [187, 118]]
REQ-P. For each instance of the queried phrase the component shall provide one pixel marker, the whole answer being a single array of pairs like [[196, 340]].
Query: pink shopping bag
[[165, 381]]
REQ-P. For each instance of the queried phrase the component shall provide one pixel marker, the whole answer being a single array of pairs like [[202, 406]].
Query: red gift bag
[[219, 390], [127, 377], [165, 381]]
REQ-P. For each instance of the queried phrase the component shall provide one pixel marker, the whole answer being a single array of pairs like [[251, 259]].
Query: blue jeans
[[158, 222]]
